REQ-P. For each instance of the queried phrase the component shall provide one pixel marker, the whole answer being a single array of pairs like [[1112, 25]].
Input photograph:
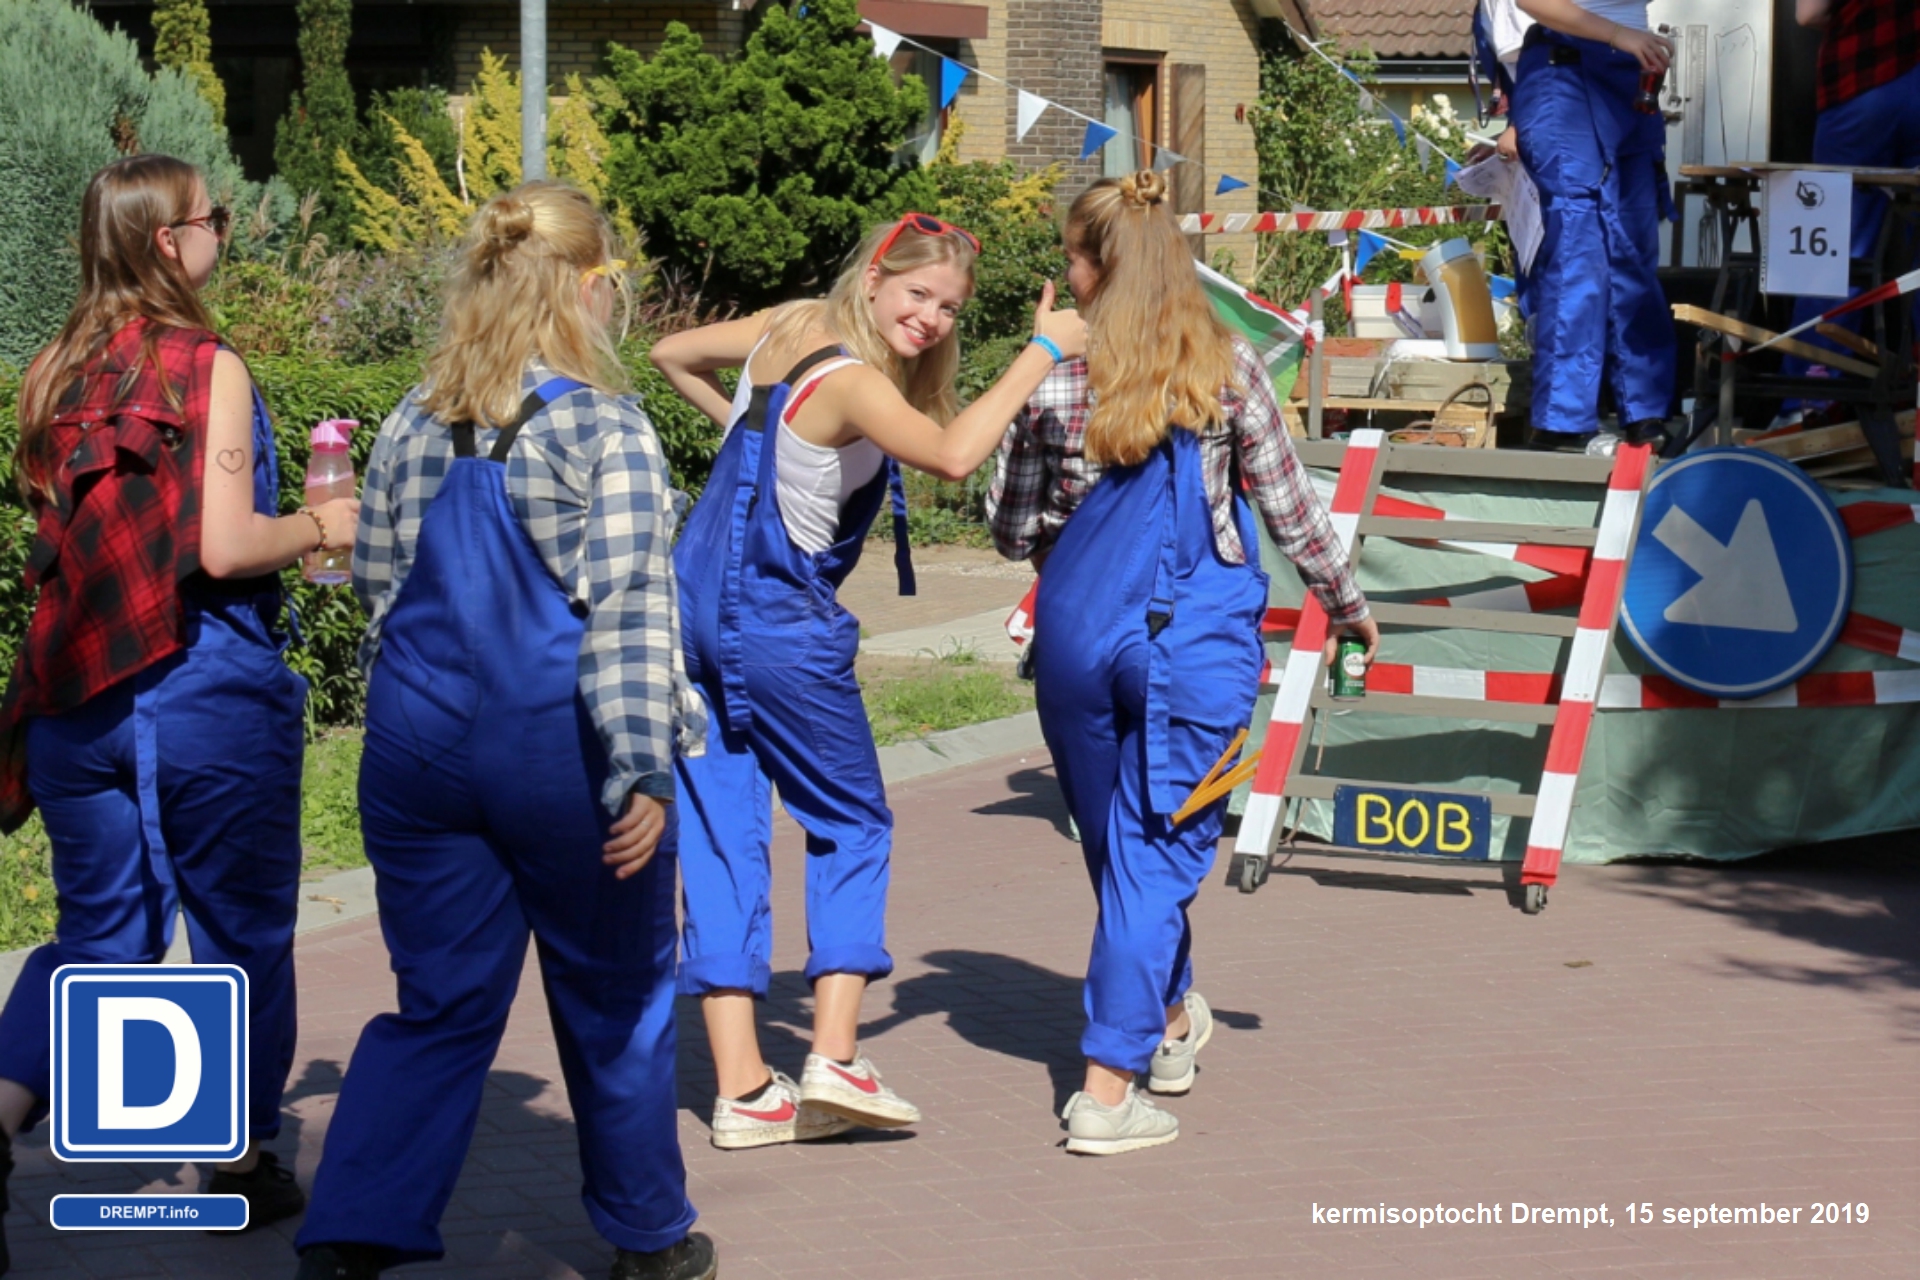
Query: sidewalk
[[1389, 1034]]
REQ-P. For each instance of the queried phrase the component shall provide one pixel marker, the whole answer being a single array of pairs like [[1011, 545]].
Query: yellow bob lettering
[[1373, 813], [1400, 824], [1454, 821]]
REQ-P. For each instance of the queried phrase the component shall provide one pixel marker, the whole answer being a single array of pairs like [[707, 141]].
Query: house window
[[1133, 112], [924, 141]]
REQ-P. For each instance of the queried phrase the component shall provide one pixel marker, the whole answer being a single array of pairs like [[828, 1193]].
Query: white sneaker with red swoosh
[[776, 1116], [854, 1093]]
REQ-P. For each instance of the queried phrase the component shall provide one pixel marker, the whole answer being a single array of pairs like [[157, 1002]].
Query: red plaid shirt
[[120, 533], [1868, 43], [1043, 473]]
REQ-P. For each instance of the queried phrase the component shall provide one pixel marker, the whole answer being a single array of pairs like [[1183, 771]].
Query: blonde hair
[[1157, 355], [123, 276], [927, 379], [515, 294]]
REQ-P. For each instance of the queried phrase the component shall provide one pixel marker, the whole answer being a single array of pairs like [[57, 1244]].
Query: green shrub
[[320, 122], [29, 906], [421, 114], [183, 40], [74, 97], [752, 177]]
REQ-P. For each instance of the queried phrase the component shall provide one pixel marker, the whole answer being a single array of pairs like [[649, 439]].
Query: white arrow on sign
[[1741, 583]]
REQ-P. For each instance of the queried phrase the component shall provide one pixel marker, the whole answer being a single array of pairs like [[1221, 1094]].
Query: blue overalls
[[179, 787], [1147, 657], [479, 800], [1599, 313], [771, 650]]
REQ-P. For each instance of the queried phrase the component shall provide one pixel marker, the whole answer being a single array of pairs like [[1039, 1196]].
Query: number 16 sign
[[1806, 226]]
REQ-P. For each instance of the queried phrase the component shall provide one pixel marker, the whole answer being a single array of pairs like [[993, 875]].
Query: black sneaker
[[1651, 431], [1557, 441], [692, 1259], [271, 1192], [6, 1171], [342, 1262]]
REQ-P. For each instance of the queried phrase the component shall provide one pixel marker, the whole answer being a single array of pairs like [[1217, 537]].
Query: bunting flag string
[[1031, 107], [952, 76], [1098, 135], [1228, 183]]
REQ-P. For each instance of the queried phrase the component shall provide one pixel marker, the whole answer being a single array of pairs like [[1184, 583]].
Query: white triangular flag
[[1164, 159], [884, 41], [1425, 148], [1366, 102], [1031, 108]]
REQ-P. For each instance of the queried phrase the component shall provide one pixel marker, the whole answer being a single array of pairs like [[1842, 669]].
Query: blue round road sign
[[1742, 574]]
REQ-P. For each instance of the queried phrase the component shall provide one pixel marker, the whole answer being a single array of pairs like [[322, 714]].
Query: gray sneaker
[[1172, 1069], [1094, 1130]]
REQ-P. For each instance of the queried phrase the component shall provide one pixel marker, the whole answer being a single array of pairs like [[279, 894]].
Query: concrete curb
[[348, 895]]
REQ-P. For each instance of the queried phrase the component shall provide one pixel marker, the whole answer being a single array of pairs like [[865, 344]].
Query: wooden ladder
[[1363, 462]]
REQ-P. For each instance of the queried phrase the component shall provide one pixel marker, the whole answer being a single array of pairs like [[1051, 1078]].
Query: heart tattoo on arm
[[232, 461]]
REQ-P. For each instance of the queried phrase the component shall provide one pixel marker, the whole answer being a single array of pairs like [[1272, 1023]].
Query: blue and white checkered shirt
[[588, 480]]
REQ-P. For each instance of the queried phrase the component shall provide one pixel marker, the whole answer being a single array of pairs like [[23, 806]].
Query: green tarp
[[1709, 783]]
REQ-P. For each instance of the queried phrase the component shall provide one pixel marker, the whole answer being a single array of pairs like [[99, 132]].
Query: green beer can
[[1350, 669]]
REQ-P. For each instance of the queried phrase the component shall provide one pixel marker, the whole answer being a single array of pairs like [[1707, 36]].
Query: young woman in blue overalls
[[1122, 477], [1599, 313], [524, 705], [150, 716], [832, 393]]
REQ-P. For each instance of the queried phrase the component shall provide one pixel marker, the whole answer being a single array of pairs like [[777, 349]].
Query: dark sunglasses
[[215, 220], [927, 225]]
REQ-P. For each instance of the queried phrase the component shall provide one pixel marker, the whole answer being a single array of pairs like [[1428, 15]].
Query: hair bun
[[503, 223], [1145, 188]]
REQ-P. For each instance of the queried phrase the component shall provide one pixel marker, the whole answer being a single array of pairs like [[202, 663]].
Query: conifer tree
[[183, 40], [320, 121], [754, 176]]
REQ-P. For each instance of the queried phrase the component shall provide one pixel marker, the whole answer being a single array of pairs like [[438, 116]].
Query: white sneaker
[[1603, 443], [854, 1093], [1172, 1069], [1094, 1130], [775, 1116]]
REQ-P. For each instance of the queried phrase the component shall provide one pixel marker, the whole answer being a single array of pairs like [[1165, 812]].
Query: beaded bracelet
[[319, 524]]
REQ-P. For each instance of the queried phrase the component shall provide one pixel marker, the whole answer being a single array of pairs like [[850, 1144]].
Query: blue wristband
[[1051, 347]]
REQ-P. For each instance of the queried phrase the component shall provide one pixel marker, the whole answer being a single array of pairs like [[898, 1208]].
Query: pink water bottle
[[330, 476]]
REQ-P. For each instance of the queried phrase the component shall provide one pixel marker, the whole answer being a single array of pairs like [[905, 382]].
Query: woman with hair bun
[[832, 391], [1147, 629], [524, 703], [149, 715]]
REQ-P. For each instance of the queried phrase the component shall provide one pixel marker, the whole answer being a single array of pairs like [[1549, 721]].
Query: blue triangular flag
[[1453, 171], [1370, 244], [1500, 286], [1399, 127], [952, 76], [1098, 135], [1228, 183]]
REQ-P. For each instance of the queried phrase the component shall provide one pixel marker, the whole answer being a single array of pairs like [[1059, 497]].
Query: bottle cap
[[333, 433]]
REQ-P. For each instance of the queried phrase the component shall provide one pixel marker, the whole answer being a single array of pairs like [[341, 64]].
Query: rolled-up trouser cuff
[[704, 975], [870, 962], [1119, 1049]]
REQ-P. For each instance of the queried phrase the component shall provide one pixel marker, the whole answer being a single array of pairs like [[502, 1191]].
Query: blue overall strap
[[537, 399], [902, 552], [1161, 797]]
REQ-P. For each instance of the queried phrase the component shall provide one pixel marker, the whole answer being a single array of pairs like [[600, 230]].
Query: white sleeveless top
[[1631, 14], [813, 481]]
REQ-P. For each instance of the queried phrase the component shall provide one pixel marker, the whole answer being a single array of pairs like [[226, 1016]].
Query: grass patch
[[330, 804], [911, 697], [27, 905]]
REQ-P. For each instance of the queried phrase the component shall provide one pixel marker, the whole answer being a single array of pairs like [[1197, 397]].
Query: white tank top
[[813, 481], [1631, 14]]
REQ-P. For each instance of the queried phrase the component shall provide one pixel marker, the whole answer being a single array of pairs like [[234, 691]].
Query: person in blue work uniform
[[149, 715], [1868, 93], [1121, 479], [1600, 317], [524, 706], [832, 393]]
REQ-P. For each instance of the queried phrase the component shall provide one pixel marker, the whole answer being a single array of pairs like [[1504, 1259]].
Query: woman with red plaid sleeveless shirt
[[150, 717]]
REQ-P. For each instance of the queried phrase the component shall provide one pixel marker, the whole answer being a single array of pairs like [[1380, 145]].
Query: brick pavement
[[1389, 1033], [955, 582]]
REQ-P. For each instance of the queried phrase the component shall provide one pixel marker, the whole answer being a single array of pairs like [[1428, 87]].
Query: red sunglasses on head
[[927, 225]]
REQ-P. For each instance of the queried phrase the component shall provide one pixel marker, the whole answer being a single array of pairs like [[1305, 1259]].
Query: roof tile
[[1400, 28]]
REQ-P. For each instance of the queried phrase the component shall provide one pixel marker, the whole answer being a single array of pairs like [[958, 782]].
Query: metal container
[[1350, 669]]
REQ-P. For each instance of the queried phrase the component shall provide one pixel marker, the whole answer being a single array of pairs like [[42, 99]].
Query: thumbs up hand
[[1065, 329]]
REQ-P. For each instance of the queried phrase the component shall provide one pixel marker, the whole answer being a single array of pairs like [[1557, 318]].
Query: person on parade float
[[1146, 638], [1868, 94], [1599, 313], [832, 393], [149, 714], [524, 706]]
